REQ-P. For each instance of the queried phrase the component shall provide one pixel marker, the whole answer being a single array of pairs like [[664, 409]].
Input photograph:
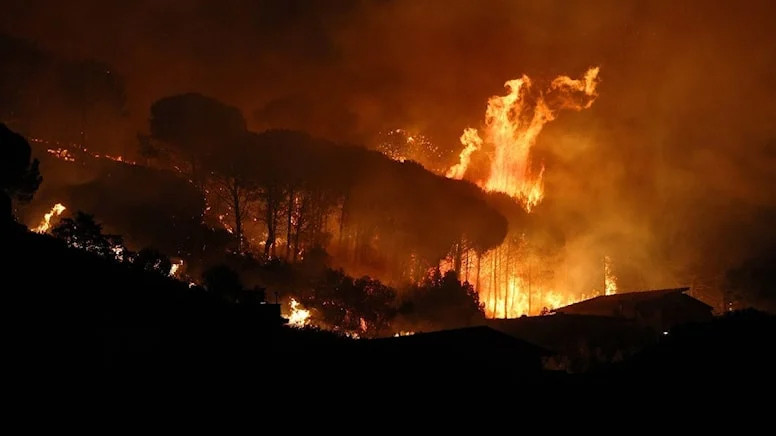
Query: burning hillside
[[513, 279]]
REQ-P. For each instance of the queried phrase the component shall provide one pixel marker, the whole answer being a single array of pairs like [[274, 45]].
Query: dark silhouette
[[197, 127], [85, 233], [440, 302], [19, 176], [659, 310], [222, 281], [753, 282], [301, 184], [149, 259]]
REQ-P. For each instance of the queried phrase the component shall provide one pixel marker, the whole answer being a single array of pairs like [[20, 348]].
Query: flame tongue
[[45, 224], [512, 124], [505, 282], [299, 316], [610, 280]]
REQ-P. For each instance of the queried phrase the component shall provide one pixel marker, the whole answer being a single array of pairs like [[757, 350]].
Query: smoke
[[670, 172]]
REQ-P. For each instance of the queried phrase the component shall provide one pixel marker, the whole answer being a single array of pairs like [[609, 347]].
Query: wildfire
[[299, 317], [471, 139], [402, 145], [610, 280], [119, 158], [227, 227], [45, 224], [403, 333], [505, 279], [512, 124], [174, 268], [62, 153], [69, 151]]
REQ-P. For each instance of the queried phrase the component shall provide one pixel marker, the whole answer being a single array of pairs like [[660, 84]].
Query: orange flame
[[62, 153], [512, 124], [175, 268], [299, 317], [610, 280], [45, 224]]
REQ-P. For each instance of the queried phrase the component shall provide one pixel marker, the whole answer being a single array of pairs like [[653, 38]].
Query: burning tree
[[506, 278], [85, 233], [196, 128]]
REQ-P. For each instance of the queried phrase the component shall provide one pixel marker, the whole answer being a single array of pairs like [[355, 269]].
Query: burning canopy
[[512, 124]]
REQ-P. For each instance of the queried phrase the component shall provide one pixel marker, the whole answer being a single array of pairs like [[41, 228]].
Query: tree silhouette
[[85, 233], [197, 128], [149, 259], [234, 184], [19, 177], [223, 281], [443, 301]]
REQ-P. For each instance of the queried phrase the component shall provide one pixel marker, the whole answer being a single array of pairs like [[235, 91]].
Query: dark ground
[[78, 321]]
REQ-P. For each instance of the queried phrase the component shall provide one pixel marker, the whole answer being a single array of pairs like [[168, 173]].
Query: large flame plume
[[512, 124], [45, 223], [510, 280]]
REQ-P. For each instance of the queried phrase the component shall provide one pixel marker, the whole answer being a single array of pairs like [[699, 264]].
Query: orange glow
[[509, 286], [45, 224], [471, 139], [610, 280], [299, 317], [505, 278], [403, 333], [175, 268], [62, 153], [227, 227], [512, 124]]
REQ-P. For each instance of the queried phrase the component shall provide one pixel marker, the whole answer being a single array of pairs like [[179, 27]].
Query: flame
[[504, 280], [510, 290], [404, 145], [512, 124], [471, 139], [610, 280], [62, 153], [174, 268], [299, 317], [45, 224], [403, 333], [227, 227], [67, 152]]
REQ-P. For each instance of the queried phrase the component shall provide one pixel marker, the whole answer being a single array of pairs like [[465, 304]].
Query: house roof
[[624, 298]]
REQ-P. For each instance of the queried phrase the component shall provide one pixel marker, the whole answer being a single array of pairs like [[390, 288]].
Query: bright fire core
[[511, 280]]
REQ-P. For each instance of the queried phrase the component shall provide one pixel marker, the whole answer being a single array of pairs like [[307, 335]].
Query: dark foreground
[[80, 321]]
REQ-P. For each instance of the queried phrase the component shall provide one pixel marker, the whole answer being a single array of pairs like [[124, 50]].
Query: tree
[[443, 302], [85, 233], [149, 259], [223, 281], [196, 127], [19, 177], [235, 185], [363, 305]]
